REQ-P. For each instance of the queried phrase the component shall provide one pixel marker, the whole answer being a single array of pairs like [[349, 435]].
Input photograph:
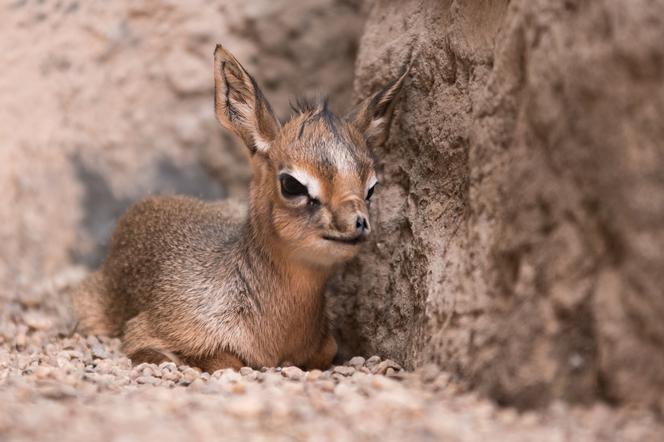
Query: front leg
[[322, 358], [216, 362]]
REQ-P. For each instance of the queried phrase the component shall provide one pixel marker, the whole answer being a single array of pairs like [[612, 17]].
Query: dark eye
[[370, 192], [290, 187]]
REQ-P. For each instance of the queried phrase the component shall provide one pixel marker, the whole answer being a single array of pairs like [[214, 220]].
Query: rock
[[150, 380], [508, 415], [58, 391], [146, 369], [92, 340], [383, 383], [189, 375], [98, 351], [293, 389], [244, 407], [37, 320], [314, 375], [228, 376], [394, 374], [381, 367], [238, 387], [173, 376], [343, 370], [356, 361], [166, 367], [124, 363], [326, 385], [509, 249], [20, 340], [43, 372], [343, 390], [30, 299], [292, 373], [200, 386], [372, 361]]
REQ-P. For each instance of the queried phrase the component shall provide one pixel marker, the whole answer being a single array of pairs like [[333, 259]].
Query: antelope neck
[[261, 242]]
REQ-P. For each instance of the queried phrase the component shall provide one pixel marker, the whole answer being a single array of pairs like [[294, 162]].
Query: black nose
[[361, 225]]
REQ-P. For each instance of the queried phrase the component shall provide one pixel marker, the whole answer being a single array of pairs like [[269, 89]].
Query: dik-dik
[[186, 281]]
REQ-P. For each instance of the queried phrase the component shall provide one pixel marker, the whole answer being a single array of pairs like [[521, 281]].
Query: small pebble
[[167, 367], [314, 375], [151, 380], [383, 383], [357, 361], [344, 390], [343, 370], [292, 373], [395, 374], [373, 360], [189, 375], [228, 376], [99, 352], [199, 385], [43, 372], [37, 321], [326, 385], [245, 407], [381, 368], [58, 391]]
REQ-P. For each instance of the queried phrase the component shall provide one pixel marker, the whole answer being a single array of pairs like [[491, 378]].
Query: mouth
[[353, 240]]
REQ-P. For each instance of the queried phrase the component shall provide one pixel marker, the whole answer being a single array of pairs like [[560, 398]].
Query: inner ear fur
[[373, 115], [240, 105]]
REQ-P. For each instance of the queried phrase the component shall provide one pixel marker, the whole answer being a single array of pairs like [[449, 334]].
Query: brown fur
[[185, 281]]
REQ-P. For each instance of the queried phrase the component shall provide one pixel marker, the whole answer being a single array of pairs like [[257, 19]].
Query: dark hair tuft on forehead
[[307, 104], [329, 118], [318, 109]]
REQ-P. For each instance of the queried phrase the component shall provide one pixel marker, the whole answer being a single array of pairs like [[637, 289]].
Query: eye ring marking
[[310, 182], [370, 187], [291, 187], [370, 192]]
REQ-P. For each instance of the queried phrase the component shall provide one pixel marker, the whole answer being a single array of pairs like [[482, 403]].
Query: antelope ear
[[240, 105], [372, 116]]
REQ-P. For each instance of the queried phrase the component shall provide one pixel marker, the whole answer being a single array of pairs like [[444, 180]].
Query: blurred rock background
[[102, 103]]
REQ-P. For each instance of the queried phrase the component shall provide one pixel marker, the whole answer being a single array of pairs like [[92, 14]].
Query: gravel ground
[[58, 385]]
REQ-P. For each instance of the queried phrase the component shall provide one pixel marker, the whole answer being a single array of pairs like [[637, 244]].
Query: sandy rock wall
[[102, 103], [520, 218]]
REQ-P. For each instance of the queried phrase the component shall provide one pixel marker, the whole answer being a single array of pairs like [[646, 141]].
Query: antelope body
[[189, 281]]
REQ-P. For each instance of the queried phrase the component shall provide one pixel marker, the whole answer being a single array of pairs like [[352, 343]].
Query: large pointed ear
[[240, 104], [372, 116]]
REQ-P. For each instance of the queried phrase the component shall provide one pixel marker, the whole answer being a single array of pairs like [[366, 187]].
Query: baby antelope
[[188, 281]]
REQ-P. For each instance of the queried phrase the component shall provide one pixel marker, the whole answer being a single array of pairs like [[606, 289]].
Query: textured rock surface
[[520, 220], [102, 103]]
